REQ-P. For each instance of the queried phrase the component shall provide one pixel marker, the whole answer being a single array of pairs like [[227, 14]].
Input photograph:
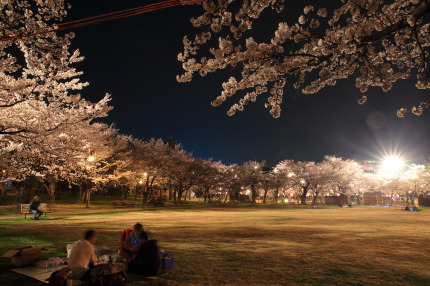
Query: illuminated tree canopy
[[376, 42]]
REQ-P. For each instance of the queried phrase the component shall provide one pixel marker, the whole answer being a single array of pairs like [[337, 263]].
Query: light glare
[[391, 166]]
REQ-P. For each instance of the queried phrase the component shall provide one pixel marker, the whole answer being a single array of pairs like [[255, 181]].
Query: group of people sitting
[[413, 208], [141, 254]]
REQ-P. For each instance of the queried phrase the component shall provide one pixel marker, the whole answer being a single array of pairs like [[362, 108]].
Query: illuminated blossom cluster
[[46, 127], [37, 77], [376, 42]]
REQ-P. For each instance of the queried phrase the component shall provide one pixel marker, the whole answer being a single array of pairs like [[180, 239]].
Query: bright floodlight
[[391, 166], [91, 159]]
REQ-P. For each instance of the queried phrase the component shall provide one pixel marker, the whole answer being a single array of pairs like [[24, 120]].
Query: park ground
[[261, 245]]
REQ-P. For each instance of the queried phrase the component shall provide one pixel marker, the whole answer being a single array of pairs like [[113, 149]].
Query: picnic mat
[[38, 273]]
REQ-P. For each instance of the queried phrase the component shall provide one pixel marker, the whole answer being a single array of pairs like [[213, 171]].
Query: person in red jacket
[[133, 241]]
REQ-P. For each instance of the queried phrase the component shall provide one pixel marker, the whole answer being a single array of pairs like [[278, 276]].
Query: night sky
[[135, 59]]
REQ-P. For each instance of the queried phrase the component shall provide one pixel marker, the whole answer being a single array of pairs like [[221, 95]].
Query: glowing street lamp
[[91, 158], [391, 166]]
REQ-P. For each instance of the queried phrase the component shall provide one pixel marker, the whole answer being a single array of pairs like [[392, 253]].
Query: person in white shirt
[[82, 256]]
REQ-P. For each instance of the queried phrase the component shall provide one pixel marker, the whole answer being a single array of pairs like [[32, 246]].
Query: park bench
[[43, 207], [123, 203], [127, 203], [117, 203]]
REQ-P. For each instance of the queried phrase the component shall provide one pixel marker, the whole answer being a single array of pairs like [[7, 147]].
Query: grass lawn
[[252, 246]]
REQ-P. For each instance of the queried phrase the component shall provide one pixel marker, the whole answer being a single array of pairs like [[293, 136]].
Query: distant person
[[407, 208], [132, 243], [147, 261], [82, 256], [34, 208]]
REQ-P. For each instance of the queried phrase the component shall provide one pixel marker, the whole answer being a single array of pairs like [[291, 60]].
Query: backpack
[[147, 261], [124, 235]]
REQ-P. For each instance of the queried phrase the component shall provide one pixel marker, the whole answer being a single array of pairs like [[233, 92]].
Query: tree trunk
[[82, 193], [225, 199], [180, 193], [358, 199], [123, 192], [265, 195], [30, 185], [303, 196], [314, 199], [88, 197], [50, 188], [253, 194], [174, 195], [3, 193], [276, 195], [207, 197]]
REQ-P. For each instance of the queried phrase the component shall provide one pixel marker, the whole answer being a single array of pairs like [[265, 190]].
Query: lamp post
[[90, 159]]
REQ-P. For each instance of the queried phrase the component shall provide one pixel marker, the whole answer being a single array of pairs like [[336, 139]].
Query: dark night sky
[[135, 59]]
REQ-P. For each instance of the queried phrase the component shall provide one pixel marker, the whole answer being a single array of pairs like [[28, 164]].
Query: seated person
[[137, 237], [34, 207], [147, 261], [82, 256], [407, 208]]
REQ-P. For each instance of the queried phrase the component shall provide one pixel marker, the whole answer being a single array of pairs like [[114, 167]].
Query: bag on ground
[[147, 261]]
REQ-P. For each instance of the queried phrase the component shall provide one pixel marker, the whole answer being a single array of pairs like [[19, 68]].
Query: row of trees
[[50, 134]]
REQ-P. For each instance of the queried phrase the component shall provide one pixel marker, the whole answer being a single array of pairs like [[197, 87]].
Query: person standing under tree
[[34, 207]]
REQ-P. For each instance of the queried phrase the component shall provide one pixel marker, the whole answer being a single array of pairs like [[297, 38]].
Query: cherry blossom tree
[[251, 174], [301, 175], [184, 173], [40, 111], [345, 176], [375, 42], [282, 177], [37, 75], [413, 182], [231, 181], [152, 162], [210, 176]]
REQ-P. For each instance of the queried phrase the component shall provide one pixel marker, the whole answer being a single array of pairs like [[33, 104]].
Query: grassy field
[[252, 246]]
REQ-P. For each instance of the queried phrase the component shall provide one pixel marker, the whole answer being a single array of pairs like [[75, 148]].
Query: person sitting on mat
[[136, 238], [82, 257]]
